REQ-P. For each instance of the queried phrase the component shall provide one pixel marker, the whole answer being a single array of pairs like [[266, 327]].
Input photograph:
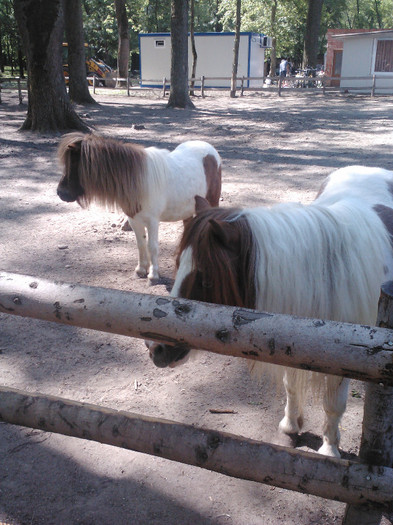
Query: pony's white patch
[[172, 181]]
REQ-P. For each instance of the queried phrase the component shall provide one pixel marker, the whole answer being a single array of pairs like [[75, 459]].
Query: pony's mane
[[220, 274], [320, 261], [111, 172]]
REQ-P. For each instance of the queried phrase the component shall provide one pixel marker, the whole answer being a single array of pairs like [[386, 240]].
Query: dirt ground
[[273, 149]]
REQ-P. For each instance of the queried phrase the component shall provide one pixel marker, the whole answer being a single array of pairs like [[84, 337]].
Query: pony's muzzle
[[165, 355], [65, 195]]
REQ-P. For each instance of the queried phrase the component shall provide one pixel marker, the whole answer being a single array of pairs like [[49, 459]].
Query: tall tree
[[236, 49], [193, 46], [123, 50], [41, 28], [179, 96], [311, 37], [78, 86]]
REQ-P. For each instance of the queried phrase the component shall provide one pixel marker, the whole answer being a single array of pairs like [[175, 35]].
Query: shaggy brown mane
[[224, 273], [111, 172]]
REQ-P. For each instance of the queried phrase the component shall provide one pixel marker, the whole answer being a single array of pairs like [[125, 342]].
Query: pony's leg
[[152, 245], [334, 404], [143, 258], [295, 383]]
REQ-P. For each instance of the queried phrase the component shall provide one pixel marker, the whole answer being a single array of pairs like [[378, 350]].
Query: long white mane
[[337, 252]]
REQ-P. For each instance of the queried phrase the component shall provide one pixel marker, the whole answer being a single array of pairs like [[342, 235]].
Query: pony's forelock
[[111, 172], [214, 264]]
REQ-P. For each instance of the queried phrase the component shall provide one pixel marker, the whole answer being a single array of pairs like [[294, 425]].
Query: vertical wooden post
[[203, 86], [373, 86], [376, 446], [0, 91], [323, 86], [242, 87], [94, 84], [128, 86], [279, 85], [163, 87]]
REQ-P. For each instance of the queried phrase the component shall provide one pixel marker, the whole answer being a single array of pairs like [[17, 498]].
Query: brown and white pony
[[149, 184], [326, 260]]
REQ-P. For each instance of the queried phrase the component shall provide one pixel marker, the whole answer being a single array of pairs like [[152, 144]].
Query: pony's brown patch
[[224, 259], [385, 213], [213, 179], [109, 171]]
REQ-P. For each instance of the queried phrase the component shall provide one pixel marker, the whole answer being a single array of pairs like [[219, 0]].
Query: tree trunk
[[41, 28], [273, 55], [179, 96], [123, 50], [78, 86], [236, 49], [311, 38], [193, 46]]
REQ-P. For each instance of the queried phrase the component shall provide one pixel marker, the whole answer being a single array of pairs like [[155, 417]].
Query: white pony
[[326, 260], [149, 184]]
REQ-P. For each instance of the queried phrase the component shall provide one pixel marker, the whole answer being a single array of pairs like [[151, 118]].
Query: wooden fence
[[330, 347]]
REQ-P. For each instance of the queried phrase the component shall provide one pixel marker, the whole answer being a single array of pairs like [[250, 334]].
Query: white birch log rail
[[343, 349], [235, 456]]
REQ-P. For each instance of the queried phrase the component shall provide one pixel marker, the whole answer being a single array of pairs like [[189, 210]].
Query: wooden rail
[[343, 349]]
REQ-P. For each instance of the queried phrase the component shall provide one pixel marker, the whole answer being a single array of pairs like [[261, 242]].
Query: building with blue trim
[[215, 58]]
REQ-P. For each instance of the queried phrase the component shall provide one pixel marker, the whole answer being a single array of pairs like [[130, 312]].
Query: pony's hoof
[[286, 440], [288, 426], [152, 281], [141, 272], [329, 450]]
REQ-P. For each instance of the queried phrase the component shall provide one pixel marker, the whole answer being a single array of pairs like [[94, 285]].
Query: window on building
[[384, 57], [160, 43], [337, 61]]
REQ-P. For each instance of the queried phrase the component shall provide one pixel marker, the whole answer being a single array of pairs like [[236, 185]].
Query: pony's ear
[[201, 204], [225, 233], [75, 146]]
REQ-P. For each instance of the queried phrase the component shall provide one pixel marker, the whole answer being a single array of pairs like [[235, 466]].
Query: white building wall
[[215, 57], [358, 61]]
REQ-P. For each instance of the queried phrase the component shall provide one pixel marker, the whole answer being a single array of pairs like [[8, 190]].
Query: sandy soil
[[273, 150]]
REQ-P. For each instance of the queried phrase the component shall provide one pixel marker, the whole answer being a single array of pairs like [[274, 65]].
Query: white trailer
[[215, 57]]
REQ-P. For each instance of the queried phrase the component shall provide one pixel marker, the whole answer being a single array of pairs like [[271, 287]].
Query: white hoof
[[329, 450], [289, 426]]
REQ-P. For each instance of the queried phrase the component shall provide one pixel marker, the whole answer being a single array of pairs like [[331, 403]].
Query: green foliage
[[9, 39], [149, 16]]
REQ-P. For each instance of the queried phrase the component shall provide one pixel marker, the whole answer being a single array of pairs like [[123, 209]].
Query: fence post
[[376, 446], [323, 86], [242, 87], [373, 86], [0, 91], [203, 86], [279, 85], [128, 86], [163, 87], [94, 84]]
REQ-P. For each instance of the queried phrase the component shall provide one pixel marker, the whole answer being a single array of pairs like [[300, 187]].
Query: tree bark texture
[[41, 28], [179, 96], [342, 349], [123, 49], [377, 436], [193, 46], [311, 37], [236, 49], [77, 83], [221, 452]]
